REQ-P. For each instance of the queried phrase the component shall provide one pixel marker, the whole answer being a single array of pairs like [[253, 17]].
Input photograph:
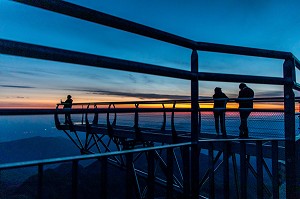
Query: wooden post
[[292, 179], [194, 126]]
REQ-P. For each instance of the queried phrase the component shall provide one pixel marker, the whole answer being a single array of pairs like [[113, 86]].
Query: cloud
[[269, 94], [15, 86], [132, 78], [137, 95]]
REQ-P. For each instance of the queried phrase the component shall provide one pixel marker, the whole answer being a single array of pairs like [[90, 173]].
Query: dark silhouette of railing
[[173, 189], [192, 178]]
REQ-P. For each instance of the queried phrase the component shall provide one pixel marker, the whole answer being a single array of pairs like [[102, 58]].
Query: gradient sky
[[24, 82]]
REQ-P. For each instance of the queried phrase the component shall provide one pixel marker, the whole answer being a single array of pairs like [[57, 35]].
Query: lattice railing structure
[[172, 118], [158, 171], [288, 81]]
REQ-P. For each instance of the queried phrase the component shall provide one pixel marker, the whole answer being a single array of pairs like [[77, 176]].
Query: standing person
[[245, 100], [220, 100], [68, 104]]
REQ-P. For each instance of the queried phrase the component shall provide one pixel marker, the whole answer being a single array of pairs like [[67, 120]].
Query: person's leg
[[243, 126], [216, 115], [222, 122], [246, 131]]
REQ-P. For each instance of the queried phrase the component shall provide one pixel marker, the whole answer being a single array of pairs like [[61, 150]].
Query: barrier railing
[[288, 80], [174, 180]]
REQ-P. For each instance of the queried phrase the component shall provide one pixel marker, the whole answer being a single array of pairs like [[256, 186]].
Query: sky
[[33, 83]]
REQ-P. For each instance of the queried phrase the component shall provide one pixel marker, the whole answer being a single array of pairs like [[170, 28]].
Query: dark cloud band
[[15, 86]]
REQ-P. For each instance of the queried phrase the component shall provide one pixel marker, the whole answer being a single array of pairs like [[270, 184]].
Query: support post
[[40, 181], [170, 167], [243, 169], [194, 126], [275, 170], [75, 179], [185, 151], [259, 168], [292, 174], [151, 175], [129, 176], [211, 170], [104, 177], [226, 154]]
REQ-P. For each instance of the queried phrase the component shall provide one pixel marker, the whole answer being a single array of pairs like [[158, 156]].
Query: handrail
[[132, 110], [97, 17], [55, 54], [115, 153], [116, 110], [68, 56], [178, 101], [87, 157]]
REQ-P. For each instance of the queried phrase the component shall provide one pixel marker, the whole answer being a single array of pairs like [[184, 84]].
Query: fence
[[288, 80], [173, 180]]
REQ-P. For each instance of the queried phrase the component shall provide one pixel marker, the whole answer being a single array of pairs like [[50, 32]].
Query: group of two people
[[245, 100]]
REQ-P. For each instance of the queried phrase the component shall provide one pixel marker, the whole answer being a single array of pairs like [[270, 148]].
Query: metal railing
[[266, 177], [288, 81]]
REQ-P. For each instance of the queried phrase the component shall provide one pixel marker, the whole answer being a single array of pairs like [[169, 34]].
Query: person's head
[[69, 96], [218, 90], [242, 85]]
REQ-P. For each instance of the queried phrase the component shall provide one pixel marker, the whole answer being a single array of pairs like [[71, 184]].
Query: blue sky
[[261, 24]]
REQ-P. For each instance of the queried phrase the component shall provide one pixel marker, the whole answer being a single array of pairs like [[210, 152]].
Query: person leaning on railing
[[68, 105], [220, 100], [245, 100]]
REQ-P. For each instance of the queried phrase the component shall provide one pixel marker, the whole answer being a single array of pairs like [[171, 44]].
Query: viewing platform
[[169, 149]]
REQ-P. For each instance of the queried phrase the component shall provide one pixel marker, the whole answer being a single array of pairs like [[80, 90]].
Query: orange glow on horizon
[[51, 104]]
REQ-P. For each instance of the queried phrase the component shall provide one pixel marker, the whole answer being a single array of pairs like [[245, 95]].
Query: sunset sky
[[270, 24]]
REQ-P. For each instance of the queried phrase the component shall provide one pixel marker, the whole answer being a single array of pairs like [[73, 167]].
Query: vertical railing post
[[129, 176], [194, 126], [289, 126], [226, 154], [259, 168], [151, 175], [211, 170], [243, 169], [170, 167], [104, 177], [275, 170], [185, 151], [74, 179], [40, 181]]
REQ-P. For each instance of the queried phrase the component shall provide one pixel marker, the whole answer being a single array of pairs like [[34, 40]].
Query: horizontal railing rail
[[55, 54], [91, 156], [94, 16], [99, 155], [117, 110], [91, 109]]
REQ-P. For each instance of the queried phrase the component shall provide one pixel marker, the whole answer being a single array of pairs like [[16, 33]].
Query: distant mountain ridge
[[36, 148]]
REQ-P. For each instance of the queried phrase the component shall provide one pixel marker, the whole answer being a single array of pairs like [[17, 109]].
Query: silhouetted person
[[220, 100], [245, 100], [68, 104]]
